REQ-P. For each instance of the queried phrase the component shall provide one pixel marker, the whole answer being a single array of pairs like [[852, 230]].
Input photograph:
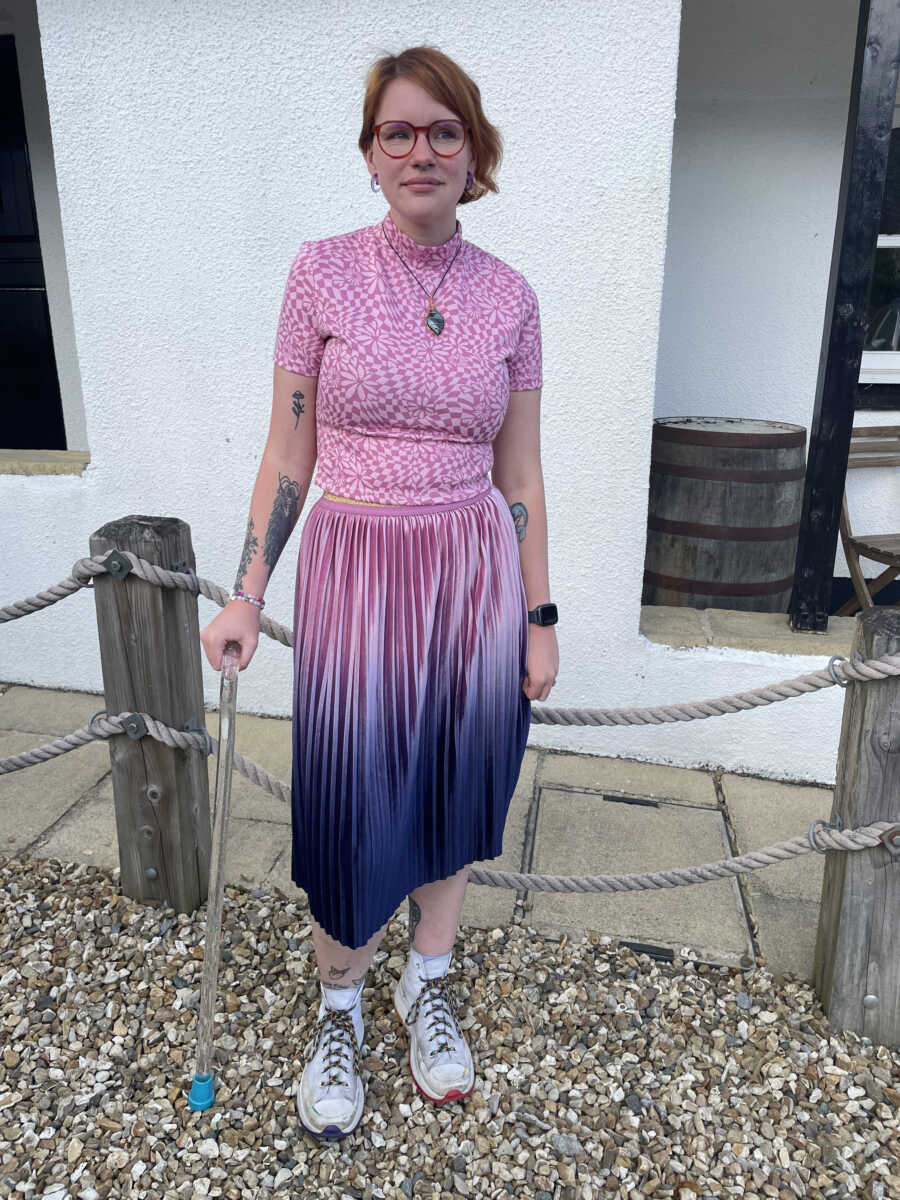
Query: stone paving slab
[[627, 777], [267, 741], [785, 897], [33, 799], [43, 710], [620, 838], [488, 907], [683, 628], [87, 833]]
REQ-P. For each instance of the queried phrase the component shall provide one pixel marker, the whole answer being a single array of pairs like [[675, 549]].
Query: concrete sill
[[43, 462], [683, 628]]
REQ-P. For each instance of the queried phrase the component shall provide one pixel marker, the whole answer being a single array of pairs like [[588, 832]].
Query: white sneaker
[[331, 1095], [440, 1061]]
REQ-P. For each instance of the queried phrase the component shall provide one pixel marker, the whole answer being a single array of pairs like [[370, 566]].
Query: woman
[[407, 367]]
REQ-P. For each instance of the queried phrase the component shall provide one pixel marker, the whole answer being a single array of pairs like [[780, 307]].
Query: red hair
[[449, 84]]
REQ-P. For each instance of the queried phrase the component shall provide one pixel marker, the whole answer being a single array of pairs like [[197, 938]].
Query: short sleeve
[[298, 343], [525, 370]]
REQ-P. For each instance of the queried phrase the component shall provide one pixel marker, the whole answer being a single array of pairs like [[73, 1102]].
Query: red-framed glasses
[[397, 138]]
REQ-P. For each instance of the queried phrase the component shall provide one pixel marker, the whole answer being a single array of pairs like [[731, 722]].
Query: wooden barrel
[[724, 513]]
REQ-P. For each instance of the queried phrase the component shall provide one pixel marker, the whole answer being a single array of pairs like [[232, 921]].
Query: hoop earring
[[469, 181], [373, 183]]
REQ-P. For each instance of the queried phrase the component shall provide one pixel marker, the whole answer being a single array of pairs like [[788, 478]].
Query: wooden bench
[[871, 446]]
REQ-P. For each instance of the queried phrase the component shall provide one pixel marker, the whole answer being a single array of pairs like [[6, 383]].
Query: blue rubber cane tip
[[201, 1094]]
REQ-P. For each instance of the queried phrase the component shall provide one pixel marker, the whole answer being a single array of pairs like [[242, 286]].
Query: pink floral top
[[404, 416]]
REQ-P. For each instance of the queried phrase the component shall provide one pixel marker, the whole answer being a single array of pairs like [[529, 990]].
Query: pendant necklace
[[433, 319]]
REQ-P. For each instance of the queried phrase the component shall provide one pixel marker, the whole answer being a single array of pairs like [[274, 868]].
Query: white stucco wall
[[186, 181], [761, 116]]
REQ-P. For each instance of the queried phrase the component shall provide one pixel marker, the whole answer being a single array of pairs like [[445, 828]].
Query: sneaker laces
[[438, 1000], [336, 1026]]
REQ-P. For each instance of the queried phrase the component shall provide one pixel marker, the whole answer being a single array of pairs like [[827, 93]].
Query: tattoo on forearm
[[415, 916], [251, 545], [297, 407], [282, 519], [520, 516]]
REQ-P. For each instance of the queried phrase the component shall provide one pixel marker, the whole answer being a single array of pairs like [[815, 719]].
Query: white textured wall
[[761, 115], [186, 182]]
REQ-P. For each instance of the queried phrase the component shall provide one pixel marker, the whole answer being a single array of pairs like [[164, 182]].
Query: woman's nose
[[422, 150]]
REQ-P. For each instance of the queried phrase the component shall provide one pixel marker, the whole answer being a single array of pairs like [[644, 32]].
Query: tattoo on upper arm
[[251, 545], [297, 407], [415, 916], [281, 520], [520, 517]]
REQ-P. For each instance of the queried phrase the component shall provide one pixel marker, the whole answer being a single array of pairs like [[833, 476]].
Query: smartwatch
[[544, 614]]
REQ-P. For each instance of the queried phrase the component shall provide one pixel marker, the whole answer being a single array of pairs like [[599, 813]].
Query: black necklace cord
[[430, 295]]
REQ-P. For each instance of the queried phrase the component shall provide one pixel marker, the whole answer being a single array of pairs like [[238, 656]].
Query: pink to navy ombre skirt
[[410, 722]]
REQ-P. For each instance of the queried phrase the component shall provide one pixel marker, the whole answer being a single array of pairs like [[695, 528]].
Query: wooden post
[[150, 654], [857, 959]]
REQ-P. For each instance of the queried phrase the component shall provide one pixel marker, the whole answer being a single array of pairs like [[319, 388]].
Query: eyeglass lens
[[396, 138]]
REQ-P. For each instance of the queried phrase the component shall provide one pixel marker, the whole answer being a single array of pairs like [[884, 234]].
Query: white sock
[[348, 999], [421, 967]]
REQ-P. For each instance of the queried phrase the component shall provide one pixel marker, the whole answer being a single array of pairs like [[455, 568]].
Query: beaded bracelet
[[237, 594]]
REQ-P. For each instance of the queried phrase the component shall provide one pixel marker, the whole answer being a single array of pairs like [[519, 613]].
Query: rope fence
[[821, 836], [137, 725]]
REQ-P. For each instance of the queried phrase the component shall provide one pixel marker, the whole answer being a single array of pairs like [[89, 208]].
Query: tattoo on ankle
[[355, 983], [415, 916], [337, 973]]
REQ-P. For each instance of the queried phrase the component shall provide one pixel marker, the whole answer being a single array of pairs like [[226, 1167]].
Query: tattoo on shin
[[520, 517], [251, 545], [281, 520], [415, 916], [297, 407]]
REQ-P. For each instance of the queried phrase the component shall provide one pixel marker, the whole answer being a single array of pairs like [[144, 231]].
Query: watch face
[[545, 614]]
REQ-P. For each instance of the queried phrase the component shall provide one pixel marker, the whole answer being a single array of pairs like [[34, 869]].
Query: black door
[[30, 402]]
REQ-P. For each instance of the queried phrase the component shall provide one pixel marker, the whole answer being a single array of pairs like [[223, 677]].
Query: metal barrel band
[[838, 825]]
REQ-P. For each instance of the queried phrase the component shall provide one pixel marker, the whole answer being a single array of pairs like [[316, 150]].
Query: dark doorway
[[29, 386]]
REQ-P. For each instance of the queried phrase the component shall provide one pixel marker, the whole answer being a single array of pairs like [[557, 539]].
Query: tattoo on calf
[[297, 407], [520, 517], [251, 545], [415, 916], [281, 520]]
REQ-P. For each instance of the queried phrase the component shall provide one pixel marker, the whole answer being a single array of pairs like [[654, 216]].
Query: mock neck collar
[[412, 251]]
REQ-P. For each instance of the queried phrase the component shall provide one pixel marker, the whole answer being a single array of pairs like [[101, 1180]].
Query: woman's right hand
[[237, 622]]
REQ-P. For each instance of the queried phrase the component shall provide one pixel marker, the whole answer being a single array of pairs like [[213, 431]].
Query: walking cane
[[201, 1094]]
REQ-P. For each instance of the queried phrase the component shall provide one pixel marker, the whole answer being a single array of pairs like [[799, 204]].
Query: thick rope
[[85, 569], [836, 673], [866, 837]]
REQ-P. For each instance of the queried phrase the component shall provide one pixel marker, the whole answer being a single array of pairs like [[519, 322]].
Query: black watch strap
[[543, 614]]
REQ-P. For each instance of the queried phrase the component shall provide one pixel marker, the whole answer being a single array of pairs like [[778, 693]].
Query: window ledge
[[684, 628], [43, 462]]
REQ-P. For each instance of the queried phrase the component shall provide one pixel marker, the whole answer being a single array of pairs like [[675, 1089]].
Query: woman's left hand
[[543, 662]]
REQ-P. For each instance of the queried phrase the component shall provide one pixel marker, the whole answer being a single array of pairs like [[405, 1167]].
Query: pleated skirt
[[409, 718]]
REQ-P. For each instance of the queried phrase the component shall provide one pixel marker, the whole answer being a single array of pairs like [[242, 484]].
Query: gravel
[[601, 1072]]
